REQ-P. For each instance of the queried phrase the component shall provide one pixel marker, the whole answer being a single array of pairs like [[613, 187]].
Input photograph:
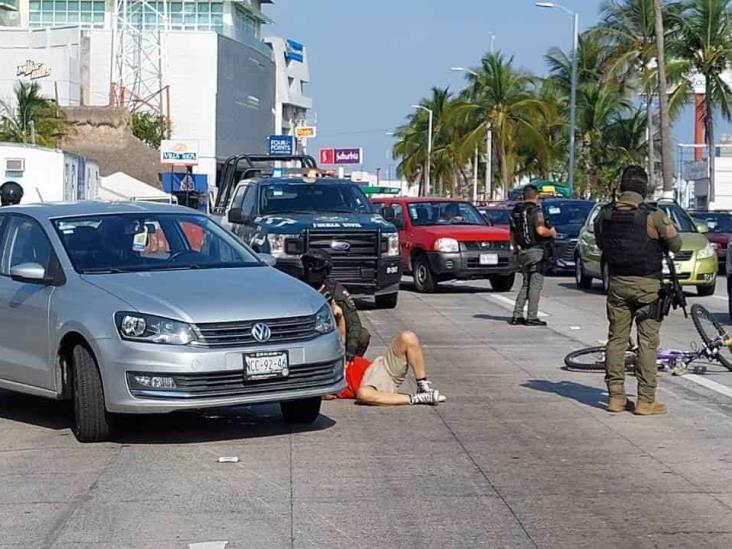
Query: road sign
[[179, 153], [281, 144], [327, 156], [306, 132]]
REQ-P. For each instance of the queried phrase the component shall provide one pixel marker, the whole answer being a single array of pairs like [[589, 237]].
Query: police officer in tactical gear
[[11, 193], [529, 236], [633, 236]]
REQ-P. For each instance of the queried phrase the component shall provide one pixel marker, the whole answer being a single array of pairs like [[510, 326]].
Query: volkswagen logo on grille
[[340, 246], [261, 332]]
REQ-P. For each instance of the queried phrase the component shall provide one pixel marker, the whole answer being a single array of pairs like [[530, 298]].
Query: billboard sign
[[179, 153], [306, 132], [327, 156], [294, 51], [353, 155], [281, 145]]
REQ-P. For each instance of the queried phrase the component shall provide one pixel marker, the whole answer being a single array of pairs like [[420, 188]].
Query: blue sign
[[174, 182], [281, 145], [295, 51]]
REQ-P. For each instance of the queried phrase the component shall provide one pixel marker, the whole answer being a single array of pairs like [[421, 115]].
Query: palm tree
[[667, 164], [705, 44], [501, 96], [31, 118]]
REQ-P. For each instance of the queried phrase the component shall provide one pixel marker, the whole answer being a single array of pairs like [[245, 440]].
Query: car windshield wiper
[[109, 270]]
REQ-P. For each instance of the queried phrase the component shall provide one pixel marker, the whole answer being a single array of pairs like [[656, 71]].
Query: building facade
[[219, 82]]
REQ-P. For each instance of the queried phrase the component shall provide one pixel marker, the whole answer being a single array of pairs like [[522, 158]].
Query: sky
[[369, 61]]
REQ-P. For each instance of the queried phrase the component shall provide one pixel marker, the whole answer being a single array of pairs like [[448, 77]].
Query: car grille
[[474, 263], [232, 383], [488, 245], [683, 256], [359, 244], [353, 272], [566, 250], [238, 334]]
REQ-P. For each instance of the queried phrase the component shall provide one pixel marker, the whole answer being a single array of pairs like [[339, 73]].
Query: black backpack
[[522, 224]]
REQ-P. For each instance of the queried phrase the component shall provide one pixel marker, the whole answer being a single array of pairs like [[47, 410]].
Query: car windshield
[[499, 217], [119, 243], [567, 213], [444, 213], [307, 197], [717, 222], [679, 217]]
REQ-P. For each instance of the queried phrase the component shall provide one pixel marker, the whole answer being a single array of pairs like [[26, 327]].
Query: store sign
[[352, 155], [294, 51], [179, 153], [306, 132], [283, 145], [33, 70]]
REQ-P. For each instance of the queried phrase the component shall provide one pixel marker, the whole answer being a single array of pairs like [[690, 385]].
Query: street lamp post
[[573, 93], [429, 148], [488, 136]]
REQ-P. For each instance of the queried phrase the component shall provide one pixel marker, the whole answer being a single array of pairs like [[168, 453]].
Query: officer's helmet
[[317, 261], [11, 193]]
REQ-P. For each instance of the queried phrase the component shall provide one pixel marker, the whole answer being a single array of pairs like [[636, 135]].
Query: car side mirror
[[387, 212], [702, 228], [268, 259], [31, 273], [237, 216]]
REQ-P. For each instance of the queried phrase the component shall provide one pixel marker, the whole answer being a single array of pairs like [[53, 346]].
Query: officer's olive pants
[[531, 263], [626, 296]]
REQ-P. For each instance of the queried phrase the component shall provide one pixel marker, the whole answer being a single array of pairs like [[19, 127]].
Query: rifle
[[678, 299]]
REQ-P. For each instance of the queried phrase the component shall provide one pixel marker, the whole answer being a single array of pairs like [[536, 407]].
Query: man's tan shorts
[[386, 373]]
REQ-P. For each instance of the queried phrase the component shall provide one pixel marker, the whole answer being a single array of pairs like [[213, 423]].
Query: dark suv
[[567, 216]]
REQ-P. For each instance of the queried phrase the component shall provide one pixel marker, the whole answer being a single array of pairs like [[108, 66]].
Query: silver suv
[[142, 308]]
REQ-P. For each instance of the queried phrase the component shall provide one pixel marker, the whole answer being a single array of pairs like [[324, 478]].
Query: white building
[[49, 175], [219, 82]]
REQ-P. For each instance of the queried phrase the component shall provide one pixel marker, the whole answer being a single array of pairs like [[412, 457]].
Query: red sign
[[327, 156]]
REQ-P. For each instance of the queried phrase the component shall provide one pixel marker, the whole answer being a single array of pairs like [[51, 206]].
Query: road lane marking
[[709, 384], [209, 545], [505, 300]]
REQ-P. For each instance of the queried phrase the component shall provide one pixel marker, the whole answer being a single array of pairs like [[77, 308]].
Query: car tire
[[424, 278], [729, 298], [92, 422], [301, 411], [582, 280], [502, 283], [387, 301], [605, 279], [704, 290]]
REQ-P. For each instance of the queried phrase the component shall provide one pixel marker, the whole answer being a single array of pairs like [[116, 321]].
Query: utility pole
[[667, 166]]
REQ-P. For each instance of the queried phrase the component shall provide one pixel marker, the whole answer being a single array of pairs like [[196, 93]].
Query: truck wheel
[[305, 410], [424, 279], [581, 279], [502, 283], [92, 422], [704, 290], [387, 301]]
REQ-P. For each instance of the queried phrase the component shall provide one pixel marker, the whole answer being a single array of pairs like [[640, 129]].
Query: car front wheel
[[305, 410], [424, 279], [581, 279], [92, 422]]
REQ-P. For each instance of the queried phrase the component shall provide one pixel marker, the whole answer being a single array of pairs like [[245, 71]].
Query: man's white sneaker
[[432, 397]]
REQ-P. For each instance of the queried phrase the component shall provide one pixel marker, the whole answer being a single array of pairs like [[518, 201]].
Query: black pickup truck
[[285, 212]]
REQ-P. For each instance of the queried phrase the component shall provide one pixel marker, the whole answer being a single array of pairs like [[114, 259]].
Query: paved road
[[522, 455]]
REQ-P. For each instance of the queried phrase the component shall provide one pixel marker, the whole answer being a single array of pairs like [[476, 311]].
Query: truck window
[[398, 215], [249, 205], [238, 197], [284, 197]]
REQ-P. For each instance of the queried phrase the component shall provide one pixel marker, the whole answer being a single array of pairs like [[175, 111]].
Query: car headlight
[[447, 245], [393, 248], [277, 243], [324, 320], [706, 252], [154, 329], [562, 236]]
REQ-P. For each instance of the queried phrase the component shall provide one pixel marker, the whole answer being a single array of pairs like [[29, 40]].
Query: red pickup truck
[[444, 239]]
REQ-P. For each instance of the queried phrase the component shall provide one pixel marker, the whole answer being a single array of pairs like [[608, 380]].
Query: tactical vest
[[357, 336], [523, 226], [626, 246]]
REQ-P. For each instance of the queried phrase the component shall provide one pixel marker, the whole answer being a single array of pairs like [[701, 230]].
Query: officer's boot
[[647, 408], [617, 401]]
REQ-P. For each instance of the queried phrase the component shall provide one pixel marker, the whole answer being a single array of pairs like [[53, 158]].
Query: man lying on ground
[[375, 383]]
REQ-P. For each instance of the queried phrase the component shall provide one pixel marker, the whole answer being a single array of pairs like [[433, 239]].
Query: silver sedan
[[142, 308]]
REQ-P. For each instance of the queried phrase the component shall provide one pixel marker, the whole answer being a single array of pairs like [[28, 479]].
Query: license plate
[[489, 259], [265, 365]]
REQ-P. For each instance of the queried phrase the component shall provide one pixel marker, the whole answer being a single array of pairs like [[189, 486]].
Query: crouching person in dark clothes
[[375, 383]]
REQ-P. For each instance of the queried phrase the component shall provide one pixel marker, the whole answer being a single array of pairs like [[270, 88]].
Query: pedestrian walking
[[530, 236], [633, 236]]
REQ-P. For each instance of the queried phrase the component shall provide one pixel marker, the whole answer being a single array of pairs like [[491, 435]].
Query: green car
[[696, 263]]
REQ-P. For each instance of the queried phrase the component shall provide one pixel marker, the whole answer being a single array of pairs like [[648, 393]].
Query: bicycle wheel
[[593, 358], [711, 330]]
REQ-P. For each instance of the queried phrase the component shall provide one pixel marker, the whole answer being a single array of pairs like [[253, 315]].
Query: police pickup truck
[[286, 212]]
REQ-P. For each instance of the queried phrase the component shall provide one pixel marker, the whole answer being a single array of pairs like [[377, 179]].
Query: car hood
[[298, 222], [693, 242], [465, 233], [212, 295]]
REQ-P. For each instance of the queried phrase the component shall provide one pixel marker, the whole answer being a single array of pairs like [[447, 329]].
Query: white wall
[[44, 172], [290, 78], [97, 61]]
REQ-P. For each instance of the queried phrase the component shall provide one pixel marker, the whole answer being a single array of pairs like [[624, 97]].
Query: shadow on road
[[584, 394], [451, 288], [504, 318], [210, 425]]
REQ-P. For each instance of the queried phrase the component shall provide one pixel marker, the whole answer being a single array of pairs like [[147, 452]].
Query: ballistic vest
[[626, 246], [523, 226]]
